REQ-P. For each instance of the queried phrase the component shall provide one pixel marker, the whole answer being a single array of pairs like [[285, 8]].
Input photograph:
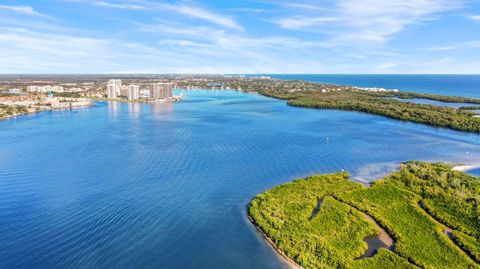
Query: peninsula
[[326, 221], [385, 102]]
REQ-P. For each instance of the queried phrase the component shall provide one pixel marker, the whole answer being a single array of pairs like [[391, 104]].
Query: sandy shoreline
[[464, 167]]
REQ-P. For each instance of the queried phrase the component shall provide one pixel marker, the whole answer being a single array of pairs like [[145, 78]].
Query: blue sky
[[264, 36]]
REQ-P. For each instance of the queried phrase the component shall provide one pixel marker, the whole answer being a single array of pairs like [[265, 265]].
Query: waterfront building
[[44, 88], [123, 91], [133, 92], [111, 92], [161, 90], [145, 93], [113, 88]]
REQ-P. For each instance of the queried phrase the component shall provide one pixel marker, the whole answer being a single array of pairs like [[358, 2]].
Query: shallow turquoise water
[[166, 186]]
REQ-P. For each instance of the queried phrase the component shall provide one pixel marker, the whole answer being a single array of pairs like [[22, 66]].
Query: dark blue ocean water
[[475, 172], [123, 185], [458, 85]]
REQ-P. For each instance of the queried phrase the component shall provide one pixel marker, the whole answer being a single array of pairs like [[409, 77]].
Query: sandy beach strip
[[465, 167]]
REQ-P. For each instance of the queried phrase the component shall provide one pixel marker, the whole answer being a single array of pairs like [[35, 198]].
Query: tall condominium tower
[[113, 88], [161, 90], [133, 92]]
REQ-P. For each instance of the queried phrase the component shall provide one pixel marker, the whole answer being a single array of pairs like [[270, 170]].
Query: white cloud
[[28, 51], [444, 48], [248, 10], [188, 9], [304, 6], [163, 27], [121, 6], [221, 40], [367, 20], [200, 13], [27, 10], [303, 22], [474, 17], [386, 66], [23, 50], [475, 44]]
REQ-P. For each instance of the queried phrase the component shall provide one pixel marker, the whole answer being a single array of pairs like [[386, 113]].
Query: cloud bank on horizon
[[250, 36]]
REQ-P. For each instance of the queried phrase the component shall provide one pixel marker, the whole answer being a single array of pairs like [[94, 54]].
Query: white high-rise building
[[115, 82], [133, 92], [113, 88], [161, 90], [111, 92]]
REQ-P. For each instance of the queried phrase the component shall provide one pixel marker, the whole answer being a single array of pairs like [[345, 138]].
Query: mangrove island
[[425, 215]]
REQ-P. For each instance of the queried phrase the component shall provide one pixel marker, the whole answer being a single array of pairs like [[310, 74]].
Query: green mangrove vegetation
[[434, 97], [319, 221], [377, 103], [469, 243]]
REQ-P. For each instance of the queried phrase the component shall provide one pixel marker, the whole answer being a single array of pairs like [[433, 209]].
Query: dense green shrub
[[318, 221], [469, 243], [376, 103]]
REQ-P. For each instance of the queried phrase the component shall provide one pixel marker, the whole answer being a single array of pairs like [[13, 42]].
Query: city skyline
[[139, 36]]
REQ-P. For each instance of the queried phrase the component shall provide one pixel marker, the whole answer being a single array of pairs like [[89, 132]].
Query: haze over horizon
[[267, 37]]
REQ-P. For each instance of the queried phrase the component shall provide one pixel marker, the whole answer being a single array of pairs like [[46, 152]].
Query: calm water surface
[[166, 186], [475, 172], [435, 103]]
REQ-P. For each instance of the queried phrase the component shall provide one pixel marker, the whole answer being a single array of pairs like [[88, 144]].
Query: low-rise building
[[14, 91], [145, 93], [44, 88]]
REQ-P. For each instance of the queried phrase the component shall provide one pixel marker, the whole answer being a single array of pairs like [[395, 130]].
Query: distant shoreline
[[466, 167], [38, 110]]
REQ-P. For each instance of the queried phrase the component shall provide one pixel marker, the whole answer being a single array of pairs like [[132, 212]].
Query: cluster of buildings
[[51, 88], [14, 91], [44, 88], [154, 91], [376, 89], [43, 102]]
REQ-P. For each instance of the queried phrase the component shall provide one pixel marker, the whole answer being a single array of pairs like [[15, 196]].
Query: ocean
[[457, 85]]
